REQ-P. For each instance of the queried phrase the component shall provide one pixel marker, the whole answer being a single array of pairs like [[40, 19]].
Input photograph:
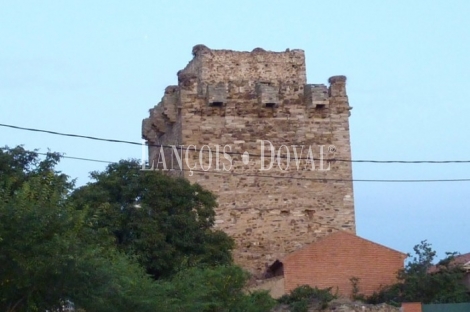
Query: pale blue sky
[[96, 67]]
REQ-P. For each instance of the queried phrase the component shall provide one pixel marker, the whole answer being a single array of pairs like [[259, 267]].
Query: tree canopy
[[166, 222], [49, 256], [143, 241], [422, 281], [93, 247]]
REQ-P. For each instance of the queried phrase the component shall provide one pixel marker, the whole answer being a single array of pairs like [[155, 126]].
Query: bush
[[212, 289], [356, 294], [299, 298], [418, 283]]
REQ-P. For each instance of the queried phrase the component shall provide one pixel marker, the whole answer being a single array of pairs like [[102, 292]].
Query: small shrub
[[299, 298], [356, 295]]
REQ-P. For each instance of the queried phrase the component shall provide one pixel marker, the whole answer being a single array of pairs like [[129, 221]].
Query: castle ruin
[[234, 102]]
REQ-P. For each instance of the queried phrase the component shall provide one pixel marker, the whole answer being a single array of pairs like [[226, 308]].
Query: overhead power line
[[239, 153], [69, 134], [62, 155], [273, 176], [81, 158]]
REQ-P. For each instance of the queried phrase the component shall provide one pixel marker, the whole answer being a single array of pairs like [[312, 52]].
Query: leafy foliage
[[58, 250], [17, 165], [212, 289], [356, 294], [49, 256], [113, 282], [301, 297], [166, 222], [418, 282]]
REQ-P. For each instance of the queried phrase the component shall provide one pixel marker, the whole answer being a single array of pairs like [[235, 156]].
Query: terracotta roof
[[463, 260]]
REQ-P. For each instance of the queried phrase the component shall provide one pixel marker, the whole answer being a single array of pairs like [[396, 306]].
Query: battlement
[[242, 73], [226, 82]]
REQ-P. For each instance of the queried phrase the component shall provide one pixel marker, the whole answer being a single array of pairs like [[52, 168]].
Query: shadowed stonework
[[234, 99]]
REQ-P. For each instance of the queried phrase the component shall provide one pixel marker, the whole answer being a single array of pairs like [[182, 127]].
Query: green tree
[[421, 281], [53, 253], [218, 289], [49, 255], [166, 222], [112, 282], [17, 165]]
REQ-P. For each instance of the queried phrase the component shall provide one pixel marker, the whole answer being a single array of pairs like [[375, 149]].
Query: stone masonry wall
[[233, 100]]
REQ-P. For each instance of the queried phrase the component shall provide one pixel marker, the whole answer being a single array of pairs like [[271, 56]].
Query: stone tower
[[230, 101]]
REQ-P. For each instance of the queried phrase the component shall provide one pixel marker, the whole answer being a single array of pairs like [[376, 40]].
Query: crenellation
[[148, 132], [232, 98], [316, 95], [337, 86], [158, 120], [217, 94], [268, 95], [170, 103]]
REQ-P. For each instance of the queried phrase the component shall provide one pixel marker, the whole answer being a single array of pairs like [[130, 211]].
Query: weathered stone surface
[[344, 305], [268, 217], [275, 286], [169, 103], [268, 96], [216, 94], [316, 95]]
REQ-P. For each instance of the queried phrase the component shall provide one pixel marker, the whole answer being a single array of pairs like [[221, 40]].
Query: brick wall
[[411, 307], [332, 261]]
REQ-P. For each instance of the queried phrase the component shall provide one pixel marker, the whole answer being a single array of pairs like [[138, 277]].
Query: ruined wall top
[[211, 66]]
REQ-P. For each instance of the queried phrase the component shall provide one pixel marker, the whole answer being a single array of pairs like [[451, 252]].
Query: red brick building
[[411, 307], [460, 260], [333, 260]]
